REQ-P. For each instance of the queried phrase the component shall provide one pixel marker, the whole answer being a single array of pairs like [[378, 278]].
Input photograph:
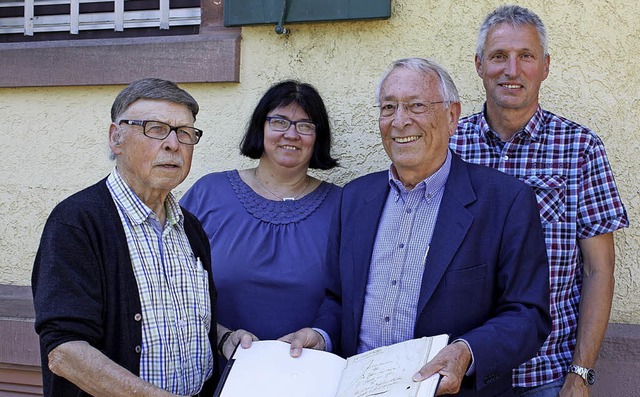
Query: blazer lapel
[[450, 229], [364, 216]]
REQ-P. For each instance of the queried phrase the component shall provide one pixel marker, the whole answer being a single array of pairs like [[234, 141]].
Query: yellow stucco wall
[[54, 139]]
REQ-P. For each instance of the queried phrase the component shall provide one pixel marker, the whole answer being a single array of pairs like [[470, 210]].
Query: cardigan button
[[138, 349], [137, 317]]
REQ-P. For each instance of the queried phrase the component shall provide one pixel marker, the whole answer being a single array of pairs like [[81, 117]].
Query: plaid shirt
[[176, 314], [398, 259], [567, 166]]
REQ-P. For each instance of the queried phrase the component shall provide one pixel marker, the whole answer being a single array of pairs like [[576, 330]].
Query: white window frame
[[164, 17], [214, 52]]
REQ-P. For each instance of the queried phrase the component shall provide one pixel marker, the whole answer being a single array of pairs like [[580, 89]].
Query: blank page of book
[[255, 370]]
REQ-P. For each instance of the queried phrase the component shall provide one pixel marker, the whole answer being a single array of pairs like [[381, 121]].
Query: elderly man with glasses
[[124, 299], [435, 245]]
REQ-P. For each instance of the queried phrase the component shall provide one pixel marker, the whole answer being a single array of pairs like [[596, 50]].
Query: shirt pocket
[[551, 192], [201, 283]]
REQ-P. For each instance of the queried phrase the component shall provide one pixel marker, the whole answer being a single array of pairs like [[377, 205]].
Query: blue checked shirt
[[176, 314], [398, 259], [567, 166]]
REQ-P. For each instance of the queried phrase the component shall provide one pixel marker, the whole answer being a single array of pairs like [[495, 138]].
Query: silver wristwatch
[[588, 374]]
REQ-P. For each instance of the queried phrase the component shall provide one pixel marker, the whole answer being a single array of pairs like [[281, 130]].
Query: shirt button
[[401, 245], [393, 282], [505, 157], [137, 317], [138, 349], [408, 210], [386, 319]]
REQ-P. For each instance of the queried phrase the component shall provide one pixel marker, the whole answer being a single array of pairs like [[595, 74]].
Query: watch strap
[[588, 374]]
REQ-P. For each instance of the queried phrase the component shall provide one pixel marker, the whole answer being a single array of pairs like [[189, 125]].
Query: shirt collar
[[428, 187], [134, 208], [531, 130]]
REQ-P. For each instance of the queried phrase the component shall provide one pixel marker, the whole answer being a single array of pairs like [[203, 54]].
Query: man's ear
[[547, 61], [115, 139], [478, 63], [454, 114]]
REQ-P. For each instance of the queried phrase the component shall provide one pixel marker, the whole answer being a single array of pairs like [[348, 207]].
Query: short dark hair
[[152, 88], [283, 94]]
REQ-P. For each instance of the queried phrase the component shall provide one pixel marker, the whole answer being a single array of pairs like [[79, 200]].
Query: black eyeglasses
[[159, 130], [281, 124]]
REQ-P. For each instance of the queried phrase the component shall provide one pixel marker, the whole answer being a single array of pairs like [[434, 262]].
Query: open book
[[266, 369]]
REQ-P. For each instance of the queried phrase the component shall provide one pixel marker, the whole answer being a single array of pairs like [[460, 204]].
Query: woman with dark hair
[[269, 226]]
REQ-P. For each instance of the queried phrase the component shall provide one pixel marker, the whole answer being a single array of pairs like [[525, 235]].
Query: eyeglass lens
[[389, 108], [160, 130], [281, 124]]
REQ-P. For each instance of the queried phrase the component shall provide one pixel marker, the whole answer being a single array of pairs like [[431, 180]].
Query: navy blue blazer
[[486, 278]]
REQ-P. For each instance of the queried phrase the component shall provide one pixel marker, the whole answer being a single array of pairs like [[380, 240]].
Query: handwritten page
[[388, 371]]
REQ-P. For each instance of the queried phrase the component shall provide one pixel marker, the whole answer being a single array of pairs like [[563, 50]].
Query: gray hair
[[151, 88], [515, 16], [448, 88]]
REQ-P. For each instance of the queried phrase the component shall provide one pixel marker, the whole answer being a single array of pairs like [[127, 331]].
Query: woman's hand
[[306, 337], [227, 345]]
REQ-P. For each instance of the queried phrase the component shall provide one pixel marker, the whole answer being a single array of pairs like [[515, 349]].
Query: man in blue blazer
[[436, 245]]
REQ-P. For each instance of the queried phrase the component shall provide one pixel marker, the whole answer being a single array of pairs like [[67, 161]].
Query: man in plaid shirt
[[579, 204], [122, 286]]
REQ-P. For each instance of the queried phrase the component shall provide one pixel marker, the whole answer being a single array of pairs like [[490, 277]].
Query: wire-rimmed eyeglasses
[[413, 108], [281, 124], [159, 130]]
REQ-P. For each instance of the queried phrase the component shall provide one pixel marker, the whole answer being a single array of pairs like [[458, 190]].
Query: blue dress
[[268, 257]]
